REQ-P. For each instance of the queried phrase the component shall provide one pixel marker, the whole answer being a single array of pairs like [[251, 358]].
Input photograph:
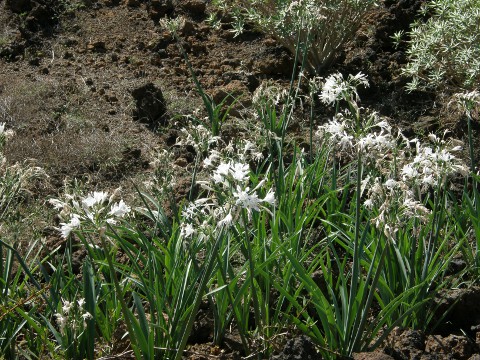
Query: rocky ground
[[93, 87]]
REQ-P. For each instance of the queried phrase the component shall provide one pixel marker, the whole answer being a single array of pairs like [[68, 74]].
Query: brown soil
[[91, 87]]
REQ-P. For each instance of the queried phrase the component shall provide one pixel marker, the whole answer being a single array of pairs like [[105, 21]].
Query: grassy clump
[[320, 27]]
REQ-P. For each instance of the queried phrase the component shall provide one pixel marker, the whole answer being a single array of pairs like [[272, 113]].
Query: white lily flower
[[120, 209], [94, 198]]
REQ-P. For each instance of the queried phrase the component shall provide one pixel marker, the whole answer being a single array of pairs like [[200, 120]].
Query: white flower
[[409, 172], [240, 171], [120, 209], [94, 198], [187, 231], [358, 79], [80, 302], [390, 184], [247, 146], [221, 172], [67, 306], [226, 221], [336, 88], [87, 316], [57, 204], [337, 132], [245, 200], [368, 203], [429, 180], [433, 138], [112, 221], [66, 228], [223, 169], [444, 156], [211, 159], [61, 321], [384, 125], [332, 89], [270, 198], [258, 156], [334, 128], [218, 178]]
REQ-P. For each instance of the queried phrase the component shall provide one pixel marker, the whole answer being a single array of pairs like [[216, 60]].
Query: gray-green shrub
[[444, 51]]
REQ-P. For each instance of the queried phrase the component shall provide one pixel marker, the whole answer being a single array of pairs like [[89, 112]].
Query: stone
[[19, 6], [195, 7], [299, 348], [459, 347], [406, 344], [97, 46], [150, 106], [376, 355]]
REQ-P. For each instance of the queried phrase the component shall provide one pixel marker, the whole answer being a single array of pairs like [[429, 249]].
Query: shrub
[[324, 26], [444, 52]]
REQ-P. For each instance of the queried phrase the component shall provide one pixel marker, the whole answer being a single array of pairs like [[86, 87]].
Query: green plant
[[320, 28], [443, 52], [22, 297], [14, 179], [468, 218]]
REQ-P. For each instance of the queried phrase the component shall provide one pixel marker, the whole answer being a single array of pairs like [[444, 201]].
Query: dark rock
[[39, 17], [188, 28], [12, 51], [372, 356], [150, 106], [458, 309], [278, 61], [35, 61], [235, 93], [456, 265], [406, 344], [203, 328], [132, 3], [195, 7], [77, 260], [19, 6], [453, 346], [131, 154], [157, 9], [112, 2], [97, 46], [300, 348]]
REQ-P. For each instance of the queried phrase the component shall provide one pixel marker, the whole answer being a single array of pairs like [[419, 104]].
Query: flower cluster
[[72, 316], [269, 92], [336, 88], [432, 164], [398, 195], [398, 170], [229, 191], [374, 140], [395, 202], [197, 136], [97, 209]]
